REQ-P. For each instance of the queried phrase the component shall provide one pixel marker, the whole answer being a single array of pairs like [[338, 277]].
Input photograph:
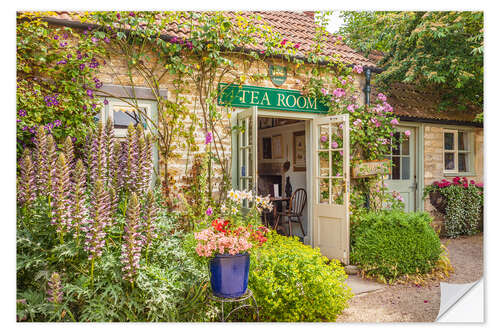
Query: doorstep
[[361, 286]]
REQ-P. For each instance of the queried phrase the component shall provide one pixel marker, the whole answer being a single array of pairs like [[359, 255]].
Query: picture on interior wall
[[267, 152], [277, 146], [299, 151]]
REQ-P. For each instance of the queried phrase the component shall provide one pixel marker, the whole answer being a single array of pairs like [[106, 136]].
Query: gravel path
[[409, 303]]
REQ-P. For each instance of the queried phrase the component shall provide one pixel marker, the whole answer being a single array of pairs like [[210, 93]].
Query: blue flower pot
[[229, 274]]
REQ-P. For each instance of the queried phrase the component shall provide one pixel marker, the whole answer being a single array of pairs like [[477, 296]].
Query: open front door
[[247, 150], [331, 186]]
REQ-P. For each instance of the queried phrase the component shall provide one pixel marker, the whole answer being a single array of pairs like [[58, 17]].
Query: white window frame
[[107, 113], [469, 141]]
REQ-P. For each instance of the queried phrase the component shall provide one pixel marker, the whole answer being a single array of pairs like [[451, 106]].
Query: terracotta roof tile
[[297, 27], [410, 101]]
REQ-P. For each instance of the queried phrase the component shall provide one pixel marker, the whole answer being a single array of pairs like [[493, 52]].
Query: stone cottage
[[279, 144]]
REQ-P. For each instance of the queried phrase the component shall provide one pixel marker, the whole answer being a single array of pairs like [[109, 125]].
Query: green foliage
[[437, 49], [52, 89], [463, 210], [392, 243], [294, 282], [170, 285]]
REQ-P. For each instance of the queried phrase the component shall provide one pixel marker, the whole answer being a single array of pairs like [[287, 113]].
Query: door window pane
[[396, 163], [396, 147], [337, 164], [449, 161], [338, 191], [405, 146], [448, 141], [323, 164], [324, 191], [324, 140], [405, 168]]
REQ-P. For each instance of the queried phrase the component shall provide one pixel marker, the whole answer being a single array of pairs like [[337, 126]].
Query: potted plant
[[228, 238]]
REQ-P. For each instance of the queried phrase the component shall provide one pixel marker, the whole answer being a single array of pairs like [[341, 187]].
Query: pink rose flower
[[407, 132]]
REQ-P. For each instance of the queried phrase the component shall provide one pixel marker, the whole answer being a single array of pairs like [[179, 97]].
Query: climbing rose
[[339, 92], [335, 144], [351, 107], [358, 69], [382, 97], [394, 122], [297, 45], [283, 42], [407, 132]]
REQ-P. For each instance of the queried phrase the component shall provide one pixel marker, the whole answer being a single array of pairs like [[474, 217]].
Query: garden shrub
[[391, 243], [293, 282]]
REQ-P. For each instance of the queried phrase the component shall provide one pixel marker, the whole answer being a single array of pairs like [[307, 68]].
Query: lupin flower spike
[[69, 153], [40, 159], [95, 232], [132, 243], [79, 210], [26, 185], [54, 289], [61, 210]]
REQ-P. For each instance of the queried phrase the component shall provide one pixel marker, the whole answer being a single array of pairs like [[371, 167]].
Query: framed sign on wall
[[299, 151]]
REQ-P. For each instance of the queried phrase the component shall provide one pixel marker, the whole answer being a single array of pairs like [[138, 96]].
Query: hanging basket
[[438, 201], [229, 275]]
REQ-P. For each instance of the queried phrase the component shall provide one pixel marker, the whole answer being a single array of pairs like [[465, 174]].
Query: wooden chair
[[294, 210]]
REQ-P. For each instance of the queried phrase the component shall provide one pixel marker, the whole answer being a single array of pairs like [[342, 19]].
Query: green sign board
[[268, 98], [277, 74]]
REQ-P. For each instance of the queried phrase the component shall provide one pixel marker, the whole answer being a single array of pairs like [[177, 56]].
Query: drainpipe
[[367, 90]]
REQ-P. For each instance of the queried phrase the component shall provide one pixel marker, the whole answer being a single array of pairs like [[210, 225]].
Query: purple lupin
[[54, 289], [26, 183], [79, 209], [132, 243], [60, 203]]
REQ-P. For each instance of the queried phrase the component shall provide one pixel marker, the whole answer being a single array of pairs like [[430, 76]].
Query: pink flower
[[357, 122], [394, 122], [382, 97], [343, 82], [209, 211], [324, 91], [358, 69], [335, 144], [323, 138], [339, 38], [263, 51], [351, 107], [407, 132], [339, 92], [387, 107], [297, 45], [208, 138], [283, 42]]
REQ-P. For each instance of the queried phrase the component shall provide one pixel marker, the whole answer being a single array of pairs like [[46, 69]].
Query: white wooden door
[[330, 204], [247, 150]]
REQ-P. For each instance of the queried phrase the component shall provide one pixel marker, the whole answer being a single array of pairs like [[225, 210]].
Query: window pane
[[462, 141], [462, 162], [448, 141], [405, 168], [405, 146], [396, 163], [449, 161], [123, 117]]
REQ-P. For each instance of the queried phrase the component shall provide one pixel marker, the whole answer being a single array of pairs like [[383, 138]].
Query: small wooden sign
[[371, 168]]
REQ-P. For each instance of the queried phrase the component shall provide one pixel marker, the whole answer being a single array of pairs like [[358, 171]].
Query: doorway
[[282, 164], [263, 152], [403, 176]]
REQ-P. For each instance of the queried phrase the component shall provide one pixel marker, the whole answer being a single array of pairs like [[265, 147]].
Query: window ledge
[[460, 174]]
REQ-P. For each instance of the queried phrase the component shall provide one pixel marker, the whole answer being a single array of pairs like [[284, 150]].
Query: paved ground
[[409, 303]]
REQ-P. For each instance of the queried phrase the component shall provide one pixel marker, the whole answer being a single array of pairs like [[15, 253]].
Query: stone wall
[[115, 72]]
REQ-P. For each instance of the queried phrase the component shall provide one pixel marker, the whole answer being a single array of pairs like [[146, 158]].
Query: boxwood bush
[[393, 243], [293, 282]]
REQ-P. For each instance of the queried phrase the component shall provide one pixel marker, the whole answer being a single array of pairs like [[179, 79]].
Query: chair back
[[298, 201]]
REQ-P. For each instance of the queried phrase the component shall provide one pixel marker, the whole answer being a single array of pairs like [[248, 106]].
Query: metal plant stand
[[247, 300]]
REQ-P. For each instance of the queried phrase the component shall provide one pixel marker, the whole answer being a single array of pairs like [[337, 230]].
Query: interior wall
[[297, 178]]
